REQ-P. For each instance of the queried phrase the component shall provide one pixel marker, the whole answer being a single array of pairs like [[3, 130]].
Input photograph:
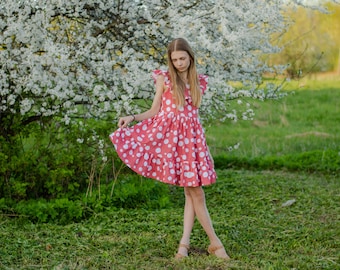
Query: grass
[[247, 212], [303, 121]]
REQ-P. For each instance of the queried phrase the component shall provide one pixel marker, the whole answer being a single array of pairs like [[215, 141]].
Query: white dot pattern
[[171, 146]]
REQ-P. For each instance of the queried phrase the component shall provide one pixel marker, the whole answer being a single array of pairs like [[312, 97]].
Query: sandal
[[179, 256], [212, 250]]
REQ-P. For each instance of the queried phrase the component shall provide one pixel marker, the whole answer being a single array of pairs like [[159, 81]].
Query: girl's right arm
[[156, 105]]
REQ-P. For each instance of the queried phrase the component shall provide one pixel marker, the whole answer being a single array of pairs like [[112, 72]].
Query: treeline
[[311, 43]]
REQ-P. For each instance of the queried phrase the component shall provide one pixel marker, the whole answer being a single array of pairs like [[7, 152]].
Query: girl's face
[[180, 60]]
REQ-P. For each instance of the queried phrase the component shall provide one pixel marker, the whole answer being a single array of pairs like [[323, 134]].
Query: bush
[[130, 192], [60, 211], [53, 162]]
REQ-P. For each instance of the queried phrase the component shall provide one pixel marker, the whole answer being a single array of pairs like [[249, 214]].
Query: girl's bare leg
[[198, 204], [188, 223]]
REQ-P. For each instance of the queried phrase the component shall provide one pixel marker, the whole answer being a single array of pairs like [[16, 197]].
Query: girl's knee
[[195, 193], [187, 192]]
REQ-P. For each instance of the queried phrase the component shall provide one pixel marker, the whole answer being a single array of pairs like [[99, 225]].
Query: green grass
[[306, 120], [247, 212]]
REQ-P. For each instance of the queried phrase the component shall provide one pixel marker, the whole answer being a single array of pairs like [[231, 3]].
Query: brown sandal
[[179, 256], [212, 251]]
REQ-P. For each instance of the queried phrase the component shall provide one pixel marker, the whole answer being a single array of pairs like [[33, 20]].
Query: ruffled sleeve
[[158, 72], [203, 79]]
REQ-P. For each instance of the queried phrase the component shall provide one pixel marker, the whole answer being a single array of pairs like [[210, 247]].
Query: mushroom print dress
[[171, 146]]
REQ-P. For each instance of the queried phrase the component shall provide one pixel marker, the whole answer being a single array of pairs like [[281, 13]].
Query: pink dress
[[171, 146]]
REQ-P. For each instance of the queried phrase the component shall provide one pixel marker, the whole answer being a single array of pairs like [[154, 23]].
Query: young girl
[[168, 144]]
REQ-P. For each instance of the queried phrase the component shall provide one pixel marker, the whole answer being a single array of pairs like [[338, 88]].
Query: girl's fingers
[[123, 122], [120, 122]]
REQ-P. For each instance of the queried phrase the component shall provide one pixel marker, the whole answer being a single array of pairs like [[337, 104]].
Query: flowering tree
[[65, 60]]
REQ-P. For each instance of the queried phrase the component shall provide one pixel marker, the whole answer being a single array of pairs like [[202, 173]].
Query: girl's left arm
[[156, 104]]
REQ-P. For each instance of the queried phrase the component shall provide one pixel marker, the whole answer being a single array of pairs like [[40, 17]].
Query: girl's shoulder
[[157, 72]]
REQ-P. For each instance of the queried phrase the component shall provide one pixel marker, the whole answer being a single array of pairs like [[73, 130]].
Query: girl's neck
[[183, 76]]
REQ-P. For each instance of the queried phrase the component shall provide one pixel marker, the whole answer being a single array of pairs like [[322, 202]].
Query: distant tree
[[311, 43]]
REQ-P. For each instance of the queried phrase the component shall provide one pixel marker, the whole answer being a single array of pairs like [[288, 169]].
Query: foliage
[[59, 211], [53, 161], [130, 192], [247, 211]]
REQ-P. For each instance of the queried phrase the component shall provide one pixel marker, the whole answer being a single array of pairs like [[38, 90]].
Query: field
[[305, 120], [267, 219]]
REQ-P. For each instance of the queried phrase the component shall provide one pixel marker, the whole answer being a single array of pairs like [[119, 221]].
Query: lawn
[[305, 120], [248, 213]]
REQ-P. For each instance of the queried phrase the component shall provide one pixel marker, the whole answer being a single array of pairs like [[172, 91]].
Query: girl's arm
[[156, 105]]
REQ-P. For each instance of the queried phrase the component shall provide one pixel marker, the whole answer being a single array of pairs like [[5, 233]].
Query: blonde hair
[[178, 85]]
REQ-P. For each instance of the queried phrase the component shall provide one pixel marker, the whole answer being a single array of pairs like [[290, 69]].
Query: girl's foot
[[218, 251], [182, 251]]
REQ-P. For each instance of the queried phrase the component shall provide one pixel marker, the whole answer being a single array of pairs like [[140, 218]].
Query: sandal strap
[[213, 249], [179, 256]]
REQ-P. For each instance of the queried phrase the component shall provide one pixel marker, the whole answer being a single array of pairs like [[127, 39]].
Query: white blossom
[[26, 105]]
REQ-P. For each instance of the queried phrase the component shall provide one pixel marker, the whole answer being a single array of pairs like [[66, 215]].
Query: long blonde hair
[[178, 85]]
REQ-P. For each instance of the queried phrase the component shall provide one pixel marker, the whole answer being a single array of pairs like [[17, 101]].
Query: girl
[[168, 144]]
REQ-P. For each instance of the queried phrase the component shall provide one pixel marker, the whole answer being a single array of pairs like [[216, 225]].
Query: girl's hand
[[124, 121]]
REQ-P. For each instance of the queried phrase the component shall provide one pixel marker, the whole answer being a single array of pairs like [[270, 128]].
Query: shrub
[[131, 191], [53, 162]]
